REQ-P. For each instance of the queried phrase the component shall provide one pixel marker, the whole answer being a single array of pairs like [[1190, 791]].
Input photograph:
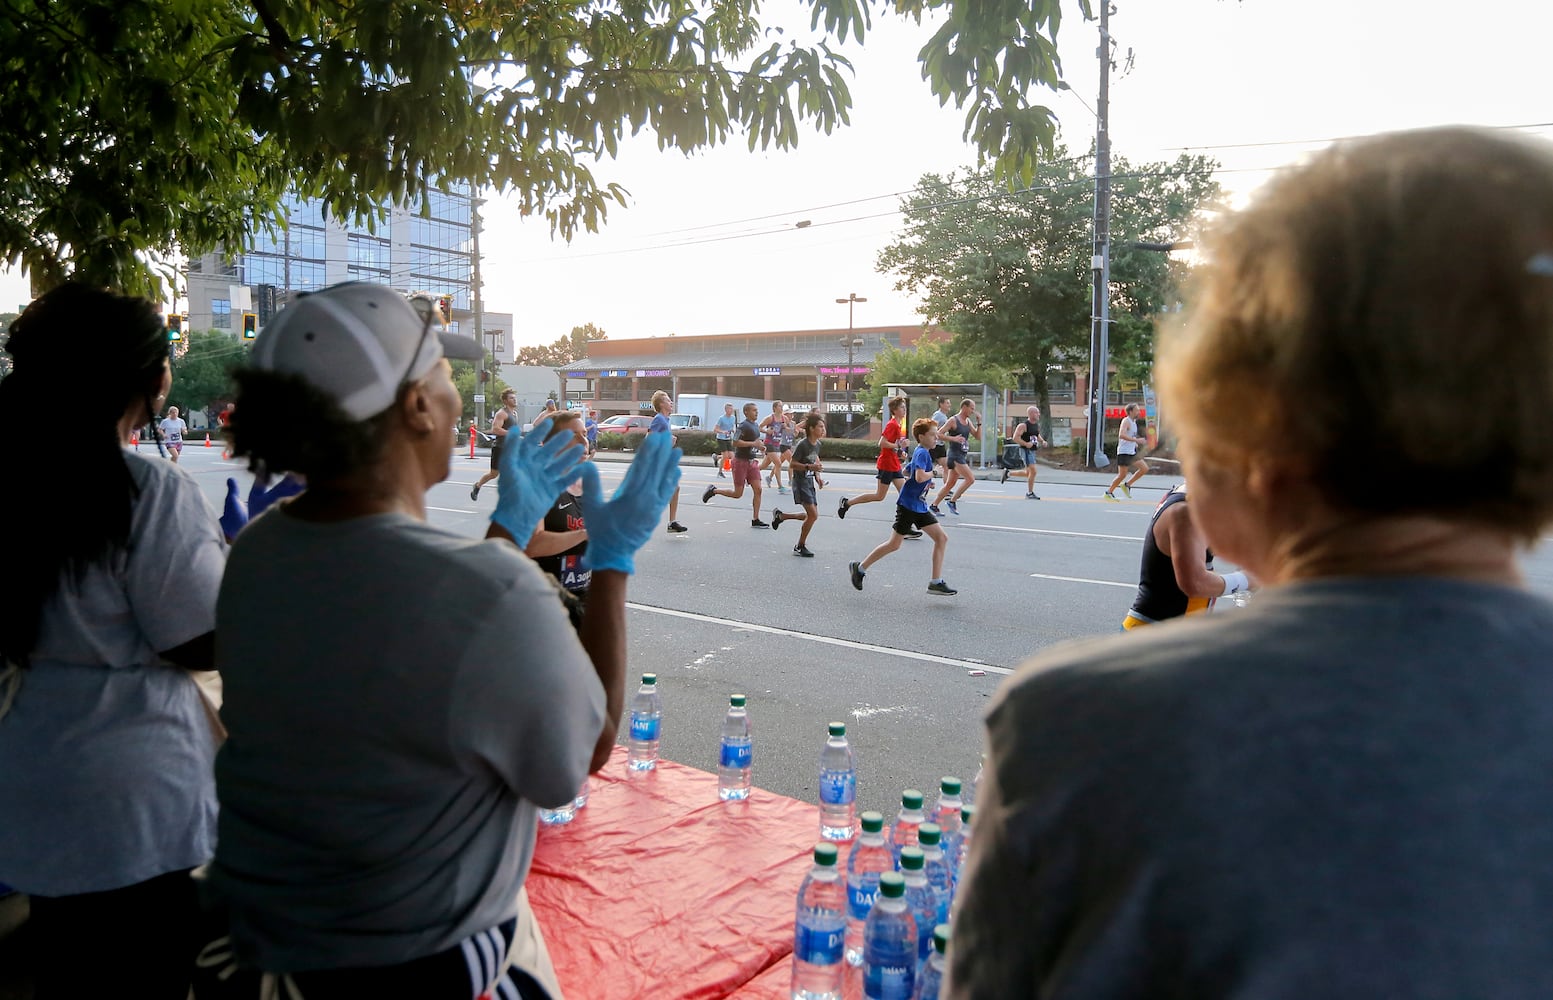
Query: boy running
[[662, 404], [746, 470], [911, 512], [957, 432], [805, 467]]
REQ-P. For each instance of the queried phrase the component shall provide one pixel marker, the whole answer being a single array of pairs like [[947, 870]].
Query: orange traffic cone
[[207, 439], [727, 465]]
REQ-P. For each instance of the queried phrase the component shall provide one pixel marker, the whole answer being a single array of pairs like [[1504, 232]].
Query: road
[[727, 608]]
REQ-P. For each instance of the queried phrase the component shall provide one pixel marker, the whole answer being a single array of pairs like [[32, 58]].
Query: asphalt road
[[726, 608]]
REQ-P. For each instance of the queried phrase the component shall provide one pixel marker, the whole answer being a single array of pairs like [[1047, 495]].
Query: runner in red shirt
[[889, 462]]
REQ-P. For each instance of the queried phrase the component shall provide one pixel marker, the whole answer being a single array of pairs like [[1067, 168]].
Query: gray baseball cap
[[357, 342]]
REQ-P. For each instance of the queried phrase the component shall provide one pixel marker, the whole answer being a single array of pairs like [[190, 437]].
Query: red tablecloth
[[658, 890]]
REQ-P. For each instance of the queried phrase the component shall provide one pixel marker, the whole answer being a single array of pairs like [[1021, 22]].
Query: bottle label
[[838, 788], [644, 727], [736, 754], [890, 977], [860, 899], [819, 945]]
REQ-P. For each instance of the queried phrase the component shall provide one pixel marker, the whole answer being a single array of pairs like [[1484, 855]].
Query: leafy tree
[[202, 370], [464, 380], [942, 362], [1008, 268], [564, 351], [139, 128], [5, 329]]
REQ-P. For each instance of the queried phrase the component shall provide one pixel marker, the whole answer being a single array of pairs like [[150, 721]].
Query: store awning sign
[[768, 371]]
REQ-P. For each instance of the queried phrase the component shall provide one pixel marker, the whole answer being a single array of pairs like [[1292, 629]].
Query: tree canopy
[[141, 128], [565, 350], [944, 362], [1007, 268], [202, 370]]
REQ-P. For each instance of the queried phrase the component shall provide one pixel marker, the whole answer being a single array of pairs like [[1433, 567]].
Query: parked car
[[626, 423]]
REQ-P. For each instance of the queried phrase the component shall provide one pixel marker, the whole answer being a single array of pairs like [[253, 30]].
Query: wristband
[[1235, 582]]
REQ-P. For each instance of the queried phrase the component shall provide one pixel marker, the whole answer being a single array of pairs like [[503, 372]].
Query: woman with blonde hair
[[1342, 790]]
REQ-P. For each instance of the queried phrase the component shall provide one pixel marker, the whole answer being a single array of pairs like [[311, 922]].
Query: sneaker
[[913, 534], [856, 569], [1127, 491], [776, 520], [756, 522], [1031, 496], [933, 509], [474, 494], [841, 511], [721, 474], [1005, 477], [1111, 497], [800, 550], [675, 528], [954, 508], [942, 589], [781, 489], [770, 479], [708, 493]]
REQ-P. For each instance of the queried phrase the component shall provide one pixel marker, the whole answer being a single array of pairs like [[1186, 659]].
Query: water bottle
[[967, 815], [936, 867], [932, 978], [819, 933], [558, 817], [946, 813], [733, 760], [890, 943], [975, 795], [582, 793], [838, 786], [904, 832], [920, 899], [869, 859], [646, 720]]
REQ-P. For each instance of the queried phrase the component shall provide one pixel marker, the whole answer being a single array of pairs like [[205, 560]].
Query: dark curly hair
[[283, 424]]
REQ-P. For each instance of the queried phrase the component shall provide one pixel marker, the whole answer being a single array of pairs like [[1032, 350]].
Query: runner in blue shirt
[[662, 404], [723, 457], [911, 513]]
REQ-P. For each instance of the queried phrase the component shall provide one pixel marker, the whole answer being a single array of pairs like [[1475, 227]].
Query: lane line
[[866, 647], [452, 510], [1048, 531], [1080, 579]]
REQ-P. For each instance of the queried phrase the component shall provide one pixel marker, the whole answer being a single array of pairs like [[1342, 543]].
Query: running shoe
[[1111, 497], [756, 522], [474, 494], [1031, 496], [954, 508], [1005, 477], [776, 520], [801, 550], [675, 528], [933, 509], [721, 474], [841, 511], [1127, 491], [781, 489], [708, 493], [856, 569], [941, 588], [913, 534]]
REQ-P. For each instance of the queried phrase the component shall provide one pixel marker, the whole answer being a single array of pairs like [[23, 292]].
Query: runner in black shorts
[[911, 514], [804, 467], [503, 421]]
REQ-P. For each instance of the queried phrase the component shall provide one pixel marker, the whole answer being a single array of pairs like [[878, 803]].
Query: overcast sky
[[708, 243]]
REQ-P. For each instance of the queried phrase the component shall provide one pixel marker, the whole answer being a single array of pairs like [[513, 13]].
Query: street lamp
[[851, 300]]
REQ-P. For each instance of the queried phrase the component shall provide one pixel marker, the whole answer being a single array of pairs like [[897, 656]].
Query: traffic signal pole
[[1100, 262]]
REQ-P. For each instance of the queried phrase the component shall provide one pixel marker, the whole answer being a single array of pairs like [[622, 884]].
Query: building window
[[221, 314]]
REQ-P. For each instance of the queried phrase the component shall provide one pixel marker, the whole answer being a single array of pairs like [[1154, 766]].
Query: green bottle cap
[[967, 813], [891, 885], [872, 822], [649, 678], [736, 700], [929, 833], [825, 854], [949, 785], [912, 859], [911, 799], [941, 938], [837, 728]]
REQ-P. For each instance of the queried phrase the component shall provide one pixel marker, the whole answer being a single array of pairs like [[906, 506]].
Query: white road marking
[[866, 647], [1080, 579], [452, 510], [1052, 531]]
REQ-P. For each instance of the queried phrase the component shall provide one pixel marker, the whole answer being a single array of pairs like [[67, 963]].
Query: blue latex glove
[[260, 498], [233, 516], [621, 524], [533, 473]]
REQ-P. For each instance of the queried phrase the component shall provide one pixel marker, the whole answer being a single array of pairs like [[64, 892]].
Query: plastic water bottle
[[967, 817], [582, 793], [981, 768], [869, 859], [733, 760], [558, 817], [946, 813], [646, 720], [819, 932], [931, 979], [890, 944], [936, 867], [904, 832], [838, 786], [920, 899]]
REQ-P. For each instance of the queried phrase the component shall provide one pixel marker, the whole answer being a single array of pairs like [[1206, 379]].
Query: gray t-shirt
[[105, 754], [1341, 791], [398, 699]]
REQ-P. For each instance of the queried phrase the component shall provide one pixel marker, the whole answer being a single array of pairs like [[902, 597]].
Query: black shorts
[[939, 451], [495, 454], [803, 491], [1125, 461], [888, 476], [908, 520]]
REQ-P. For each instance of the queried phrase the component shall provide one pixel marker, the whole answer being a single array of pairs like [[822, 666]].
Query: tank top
[[1159, 596]]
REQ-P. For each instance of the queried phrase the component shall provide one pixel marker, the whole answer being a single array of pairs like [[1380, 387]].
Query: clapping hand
[[259, 498], [533, 473], [621, 524], [233, 516]]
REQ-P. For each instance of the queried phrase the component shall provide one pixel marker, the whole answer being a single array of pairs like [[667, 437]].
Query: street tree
[[202, 369], [141, 128], [1007, 268], [928, 363], [466, 381], [564, 351]]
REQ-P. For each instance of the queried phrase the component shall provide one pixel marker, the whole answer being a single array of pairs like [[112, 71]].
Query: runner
[[805, 467], [590, 429], [662, 405], [1027, 435], [172, 428], [723, 453], [746, 470], [957, 432], [778, 431], [940, 452], [911, 511], [888, 463], [1128, 438], [1170, 587], [502, 421]]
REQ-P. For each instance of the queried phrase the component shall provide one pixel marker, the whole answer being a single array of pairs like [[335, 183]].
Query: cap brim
[[457, 347]]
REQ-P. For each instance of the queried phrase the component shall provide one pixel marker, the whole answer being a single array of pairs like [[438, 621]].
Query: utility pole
[[1100, 262], [479, 331]]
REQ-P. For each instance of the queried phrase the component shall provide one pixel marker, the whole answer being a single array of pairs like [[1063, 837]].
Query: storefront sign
[[767, 371], [576, 374], [654, 372], [615, 373], [844, 370], [844, 407]]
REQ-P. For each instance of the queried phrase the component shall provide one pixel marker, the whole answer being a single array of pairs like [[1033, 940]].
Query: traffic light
[[174, 323], [250, 325]]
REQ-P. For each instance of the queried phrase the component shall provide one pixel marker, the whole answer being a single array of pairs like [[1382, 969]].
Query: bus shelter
[[922, 401]]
